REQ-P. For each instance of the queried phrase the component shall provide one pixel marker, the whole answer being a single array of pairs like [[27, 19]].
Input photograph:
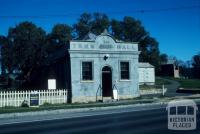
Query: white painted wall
[[147, 76]]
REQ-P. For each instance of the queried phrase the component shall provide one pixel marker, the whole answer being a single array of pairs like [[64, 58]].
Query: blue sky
[[177, 31]]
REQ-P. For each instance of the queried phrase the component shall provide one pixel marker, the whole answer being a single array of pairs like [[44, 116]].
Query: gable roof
[[145, 65]]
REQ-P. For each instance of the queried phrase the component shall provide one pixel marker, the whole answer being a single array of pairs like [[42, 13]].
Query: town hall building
[[100, 64]]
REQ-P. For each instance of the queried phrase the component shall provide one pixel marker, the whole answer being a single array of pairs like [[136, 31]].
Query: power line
[[159, 10], [115, 12]]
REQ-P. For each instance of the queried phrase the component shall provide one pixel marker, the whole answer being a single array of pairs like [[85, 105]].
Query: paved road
[[172, 87], [126, 122]]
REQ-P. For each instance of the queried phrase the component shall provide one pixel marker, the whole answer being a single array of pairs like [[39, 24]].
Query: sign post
[[34, 99], [115, 94], [163, 90]]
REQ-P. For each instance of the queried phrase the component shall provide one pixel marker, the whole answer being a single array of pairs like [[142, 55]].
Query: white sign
[[182, 115], [51, 83], [115, 94]]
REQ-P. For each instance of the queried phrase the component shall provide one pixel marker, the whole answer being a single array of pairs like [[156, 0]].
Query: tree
[[95, 23], [83, 26], [62, 32], [26, 41], [196, 65], [133, 30], [149, 49], [2, 38], [130, 29], [117, 29], [6, 55], [185, 69], [163, 58], [60, 35], [100, 23], [196, 60]]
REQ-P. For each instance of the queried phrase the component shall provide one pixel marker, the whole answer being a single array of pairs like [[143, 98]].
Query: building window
[[124, 66], [87, 71]]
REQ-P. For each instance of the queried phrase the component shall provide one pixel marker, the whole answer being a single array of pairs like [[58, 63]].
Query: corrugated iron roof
[[145, 65]]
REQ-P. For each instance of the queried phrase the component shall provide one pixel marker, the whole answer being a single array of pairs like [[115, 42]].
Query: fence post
[[39, 97], [16, 97], [1, 99], [163, 90], [4, 97], [63, 91], [7, 93]]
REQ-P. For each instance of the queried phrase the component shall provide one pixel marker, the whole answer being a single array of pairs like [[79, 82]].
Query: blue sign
[[34, 99]]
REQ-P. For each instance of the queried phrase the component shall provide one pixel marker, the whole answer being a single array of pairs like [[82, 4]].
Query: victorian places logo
[[182, 115]]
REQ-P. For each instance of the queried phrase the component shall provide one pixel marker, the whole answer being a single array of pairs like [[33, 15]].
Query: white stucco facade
[[146, 74], [104, 55]]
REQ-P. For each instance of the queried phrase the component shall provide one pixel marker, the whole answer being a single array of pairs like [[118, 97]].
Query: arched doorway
[[107, 81]]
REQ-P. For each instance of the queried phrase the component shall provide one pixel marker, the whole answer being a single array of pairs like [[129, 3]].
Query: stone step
[[107, 99]]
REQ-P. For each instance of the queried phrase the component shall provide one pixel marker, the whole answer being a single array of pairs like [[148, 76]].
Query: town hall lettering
[[102, 46]]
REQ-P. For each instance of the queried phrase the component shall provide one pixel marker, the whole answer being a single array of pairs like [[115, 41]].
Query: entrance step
[[107, 99]]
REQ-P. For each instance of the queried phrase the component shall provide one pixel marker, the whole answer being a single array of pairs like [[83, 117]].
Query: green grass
[[71, 106], [189, 83], [160, 81], [146, 87], [149, 87], [158, 84]]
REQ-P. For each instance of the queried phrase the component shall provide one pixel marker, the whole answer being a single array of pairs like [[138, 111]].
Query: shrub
[[46, 104], [25, 104]]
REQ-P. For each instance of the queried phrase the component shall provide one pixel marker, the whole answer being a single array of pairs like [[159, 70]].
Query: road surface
[[153, 121]]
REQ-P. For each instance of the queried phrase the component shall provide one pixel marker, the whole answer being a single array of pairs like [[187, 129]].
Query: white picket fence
[[15, 98]]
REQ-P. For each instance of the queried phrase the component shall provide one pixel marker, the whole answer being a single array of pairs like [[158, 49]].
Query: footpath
[[89, 109]]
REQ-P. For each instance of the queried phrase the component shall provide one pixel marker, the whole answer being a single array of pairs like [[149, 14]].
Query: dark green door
[[107, 81]]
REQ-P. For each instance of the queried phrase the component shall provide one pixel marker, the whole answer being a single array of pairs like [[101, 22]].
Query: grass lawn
[[146, 87], [160, 81], [71, 106], [158, 84], [189, 83]]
